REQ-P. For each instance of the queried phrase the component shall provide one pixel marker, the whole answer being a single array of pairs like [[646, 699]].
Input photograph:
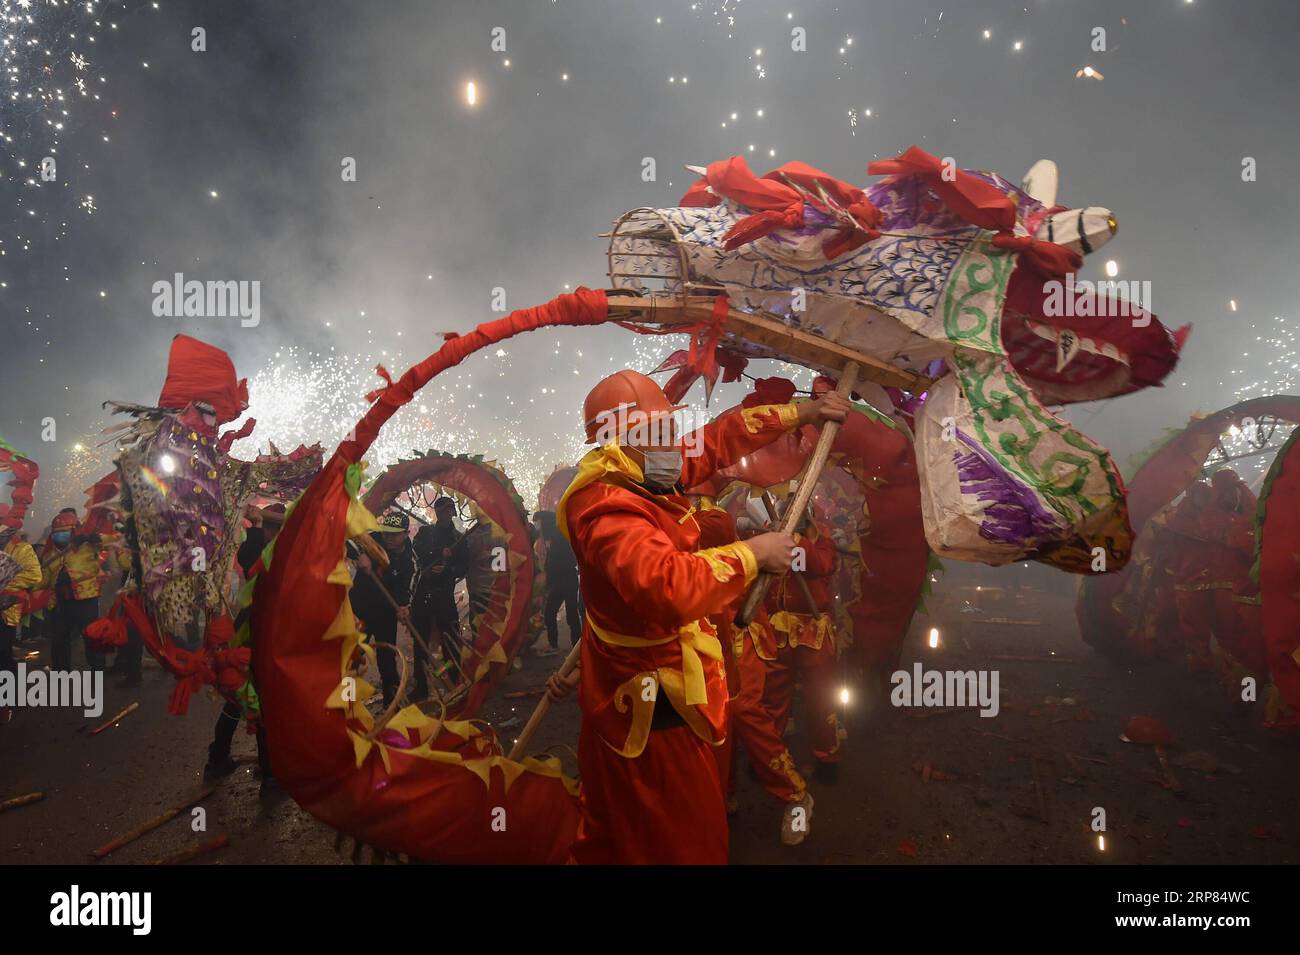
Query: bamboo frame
[[793, 344], [683, 301]]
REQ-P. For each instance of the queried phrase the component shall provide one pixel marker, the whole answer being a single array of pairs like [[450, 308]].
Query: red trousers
[[1196, 616], [666, 806], [753, 727], [820, 672], [1240, 631]]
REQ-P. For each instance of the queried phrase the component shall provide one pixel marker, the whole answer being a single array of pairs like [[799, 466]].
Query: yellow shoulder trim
[[722, 571]]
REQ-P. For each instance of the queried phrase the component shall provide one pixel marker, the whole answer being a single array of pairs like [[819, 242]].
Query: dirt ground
[[917, 786]]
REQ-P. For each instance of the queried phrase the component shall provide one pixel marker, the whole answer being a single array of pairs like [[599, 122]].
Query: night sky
[[452, 201]]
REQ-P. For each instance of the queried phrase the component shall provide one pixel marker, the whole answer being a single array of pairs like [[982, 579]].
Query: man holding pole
[[441, 552], [653, 690], [380, 612]]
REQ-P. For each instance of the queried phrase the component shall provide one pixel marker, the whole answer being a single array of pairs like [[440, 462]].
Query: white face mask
[[663, 469]]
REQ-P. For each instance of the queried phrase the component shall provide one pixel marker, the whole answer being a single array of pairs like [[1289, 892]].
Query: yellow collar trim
[[610, 464]]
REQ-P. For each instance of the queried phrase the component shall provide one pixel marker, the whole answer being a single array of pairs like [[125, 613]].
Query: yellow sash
[[695, 643]]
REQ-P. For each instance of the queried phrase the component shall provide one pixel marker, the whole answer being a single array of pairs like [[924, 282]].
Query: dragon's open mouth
[[1083, 357]]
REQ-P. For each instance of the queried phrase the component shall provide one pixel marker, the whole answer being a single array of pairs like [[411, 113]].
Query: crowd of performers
[[650, 576], [667, 681], [67, 569]]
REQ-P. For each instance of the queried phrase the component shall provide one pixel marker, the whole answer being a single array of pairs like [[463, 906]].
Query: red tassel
[[178, 704], [1046, 258], [230, 437], [220, 631], [676, 360], [699, 196], [967, 196], [764, 223], [382, 372], [107, 632], [701, 358]]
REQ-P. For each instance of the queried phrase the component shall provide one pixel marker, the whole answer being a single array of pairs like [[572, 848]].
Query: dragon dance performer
[[370, 602], [1214, 548], [21, 572], [1237, 627], [805, 647], [652, 687], [748, 721], [70, 567]]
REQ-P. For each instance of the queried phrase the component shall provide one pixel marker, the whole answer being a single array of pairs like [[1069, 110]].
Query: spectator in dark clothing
[[561, 567], [265, 524], [441, 556], [379, 617]]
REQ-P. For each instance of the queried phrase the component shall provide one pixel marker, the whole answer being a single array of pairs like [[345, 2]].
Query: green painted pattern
[[1002, 404], [972, 299]]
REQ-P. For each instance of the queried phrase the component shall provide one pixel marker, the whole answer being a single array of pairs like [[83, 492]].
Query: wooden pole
[[392, 602], [794, 513], [544, 704], [798, 576], [25, 800], [194, 851], [152, 824], [115, 720]]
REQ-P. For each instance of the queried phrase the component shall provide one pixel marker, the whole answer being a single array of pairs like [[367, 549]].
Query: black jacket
[[561, 564], [430, 541], [369, 603]]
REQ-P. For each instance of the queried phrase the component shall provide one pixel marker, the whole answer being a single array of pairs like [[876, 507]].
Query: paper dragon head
[[954, 274]]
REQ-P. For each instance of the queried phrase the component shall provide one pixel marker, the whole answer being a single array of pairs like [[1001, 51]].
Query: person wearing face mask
[[70, 565], [651, 684]]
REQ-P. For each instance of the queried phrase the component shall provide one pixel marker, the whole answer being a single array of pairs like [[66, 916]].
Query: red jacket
[[649, 587], [820, 561]]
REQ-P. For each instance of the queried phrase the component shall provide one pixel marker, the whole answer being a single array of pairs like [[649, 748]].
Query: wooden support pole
[[152, 824], [544, 704], [194, 851], [798, 576], [127, 711], [392, 602], [24, 800], [794, 513]]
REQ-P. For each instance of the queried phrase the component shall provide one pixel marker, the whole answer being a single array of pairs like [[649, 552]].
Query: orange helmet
[[627, 394]]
